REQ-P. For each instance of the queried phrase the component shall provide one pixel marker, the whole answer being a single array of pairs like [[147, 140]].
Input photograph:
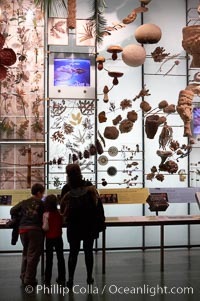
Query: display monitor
[[71, 75], [196, 121]]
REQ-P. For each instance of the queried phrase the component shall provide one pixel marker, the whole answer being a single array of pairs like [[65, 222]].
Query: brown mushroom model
[[115, 49], [100, 60], [148, 34], [115, 74], [145, 2], [105, 92]]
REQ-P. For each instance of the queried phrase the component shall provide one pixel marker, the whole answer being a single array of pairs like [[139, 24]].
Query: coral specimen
[[117, 120], [125, 126], [145, 106], [132, 116], [126, 103], [111, 132], [169, 109], [102, 117], [162, 104]]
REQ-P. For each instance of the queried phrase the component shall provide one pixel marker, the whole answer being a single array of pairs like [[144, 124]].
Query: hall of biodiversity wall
[[110, 85]]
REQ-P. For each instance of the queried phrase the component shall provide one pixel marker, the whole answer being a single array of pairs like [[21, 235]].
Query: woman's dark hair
[[50, 203], [74, 175], [37, 188]]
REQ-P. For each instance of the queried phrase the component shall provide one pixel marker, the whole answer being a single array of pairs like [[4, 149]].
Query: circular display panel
[[103, 160], [111, 171], [112, 151]]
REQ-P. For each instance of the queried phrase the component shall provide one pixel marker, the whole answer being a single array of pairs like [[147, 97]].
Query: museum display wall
[[122, 119]]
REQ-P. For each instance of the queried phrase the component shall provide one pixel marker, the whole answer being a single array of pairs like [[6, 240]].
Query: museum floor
[[126, 274]]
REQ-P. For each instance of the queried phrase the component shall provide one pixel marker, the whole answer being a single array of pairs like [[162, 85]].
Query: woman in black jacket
[[79, 206]]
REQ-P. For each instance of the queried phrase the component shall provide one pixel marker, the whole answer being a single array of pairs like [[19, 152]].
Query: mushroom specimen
[[114, 50], [148, 34], [105, 92], [100, 60], [115, 75]]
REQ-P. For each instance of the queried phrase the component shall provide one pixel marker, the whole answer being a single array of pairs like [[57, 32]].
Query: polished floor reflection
[[131, 275]]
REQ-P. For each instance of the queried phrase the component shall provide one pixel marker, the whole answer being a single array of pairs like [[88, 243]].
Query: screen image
[[196, 121], [72, 72], [5, 199]]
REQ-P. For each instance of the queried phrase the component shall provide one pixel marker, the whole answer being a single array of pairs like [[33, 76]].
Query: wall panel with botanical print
[[21, 90], [71, 138]]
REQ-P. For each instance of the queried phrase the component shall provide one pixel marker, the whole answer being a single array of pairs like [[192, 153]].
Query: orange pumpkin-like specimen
[[7, 57]]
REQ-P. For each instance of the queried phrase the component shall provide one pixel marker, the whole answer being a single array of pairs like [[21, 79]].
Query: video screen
[[196, 121], [5, 200], [72, 72]]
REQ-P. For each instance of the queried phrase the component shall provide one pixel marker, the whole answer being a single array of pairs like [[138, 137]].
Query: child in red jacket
[[52, 225]]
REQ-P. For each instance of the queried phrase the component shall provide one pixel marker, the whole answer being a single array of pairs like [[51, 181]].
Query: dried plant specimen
[[76, 119], [22, 128], [159, 54], [58, 136], [171, 166], [176, 63], [174, 145], [133, 15], [68, 128], [58, 108], [166, 136], [126, 103], [160, 177], [150, 176], [37, 126], [88, 31], [142, 93], [58, 28], [86, 107], [130, 18], [87, 124], [166, 60], [114, 27]]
